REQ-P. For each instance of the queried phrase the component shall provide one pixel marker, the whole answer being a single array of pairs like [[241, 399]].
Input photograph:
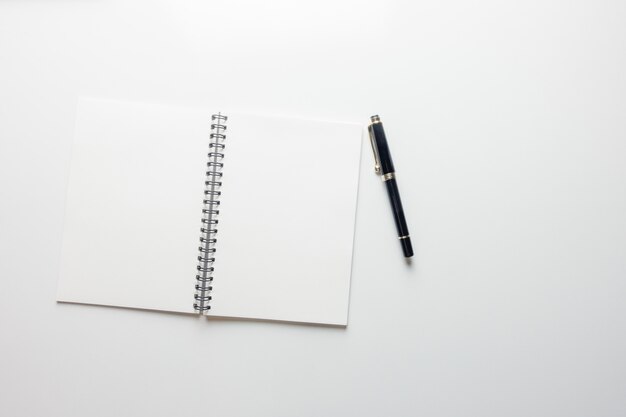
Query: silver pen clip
[[370, 129]]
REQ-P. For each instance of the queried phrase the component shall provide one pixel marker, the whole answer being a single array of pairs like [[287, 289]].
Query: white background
[[507, 126]]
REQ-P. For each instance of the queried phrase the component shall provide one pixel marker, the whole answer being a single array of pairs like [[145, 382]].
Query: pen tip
[[375, 118]]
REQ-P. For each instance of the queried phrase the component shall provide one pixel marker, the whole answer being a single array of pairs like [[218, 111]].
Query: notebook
[[215, 213]]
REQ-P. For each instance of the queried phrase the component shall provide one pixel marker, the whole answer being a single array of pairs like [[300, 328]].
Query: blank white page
[[134, 205], [286, 223]]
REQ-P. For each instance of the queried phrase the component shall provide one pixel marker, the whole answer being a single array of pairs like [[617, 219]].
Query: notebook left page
[[133, 205]]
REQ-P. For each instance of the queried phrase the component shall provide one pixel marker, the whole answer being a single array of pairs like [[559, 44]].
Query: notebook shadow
[[207, 319]]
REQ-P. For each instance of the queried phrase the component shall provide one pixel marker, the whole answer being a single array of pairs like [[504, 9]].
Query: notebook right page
[[286, 222]]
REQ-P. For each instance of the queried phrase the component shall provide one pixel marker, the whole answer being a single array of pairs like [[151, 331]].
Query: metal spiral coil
[[209, 221]]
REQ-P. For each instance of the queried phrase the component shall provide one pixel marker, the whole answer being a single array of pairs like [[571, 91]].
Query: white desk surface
[[507, 127]]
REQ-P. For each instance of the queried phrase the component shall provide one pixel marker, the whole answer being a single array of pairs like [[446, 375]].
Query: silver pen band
[[389, 176]]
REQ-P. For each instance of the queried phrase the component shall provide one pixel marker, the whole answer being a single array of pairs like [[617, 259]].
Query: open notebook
[[224, 214]]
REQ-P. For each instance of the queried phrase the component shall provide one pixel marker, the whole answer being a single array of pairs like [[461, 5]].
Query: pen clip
[[370, 129]]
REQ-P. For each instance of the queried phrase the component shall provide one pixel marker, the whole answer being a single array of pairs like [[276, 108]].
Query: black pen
[[384, 166]]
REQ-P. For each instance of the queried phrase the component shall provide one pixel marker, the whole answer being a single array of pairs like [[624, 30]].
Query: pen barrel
[[398, 216], [386, 164]]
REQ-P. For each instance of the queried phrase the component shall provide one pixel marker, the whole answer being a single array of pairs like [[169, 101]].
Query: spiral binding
[[210, 212]]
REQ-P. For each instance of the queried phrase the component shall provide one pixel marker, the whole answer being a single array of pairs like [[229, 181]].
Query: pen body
[[399, 218], [384, 166]]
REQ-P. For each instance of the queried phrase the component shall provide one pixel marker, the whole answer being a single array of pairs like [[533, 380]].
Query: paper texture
[[286, 222]]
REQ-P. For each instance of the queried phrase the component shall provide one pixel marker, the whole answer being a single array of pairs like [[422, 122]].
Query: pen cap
[[382, 147]]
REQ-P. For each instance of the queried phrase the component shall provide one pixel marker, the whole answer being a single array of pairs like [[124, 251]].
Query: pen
[[384, 166]]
